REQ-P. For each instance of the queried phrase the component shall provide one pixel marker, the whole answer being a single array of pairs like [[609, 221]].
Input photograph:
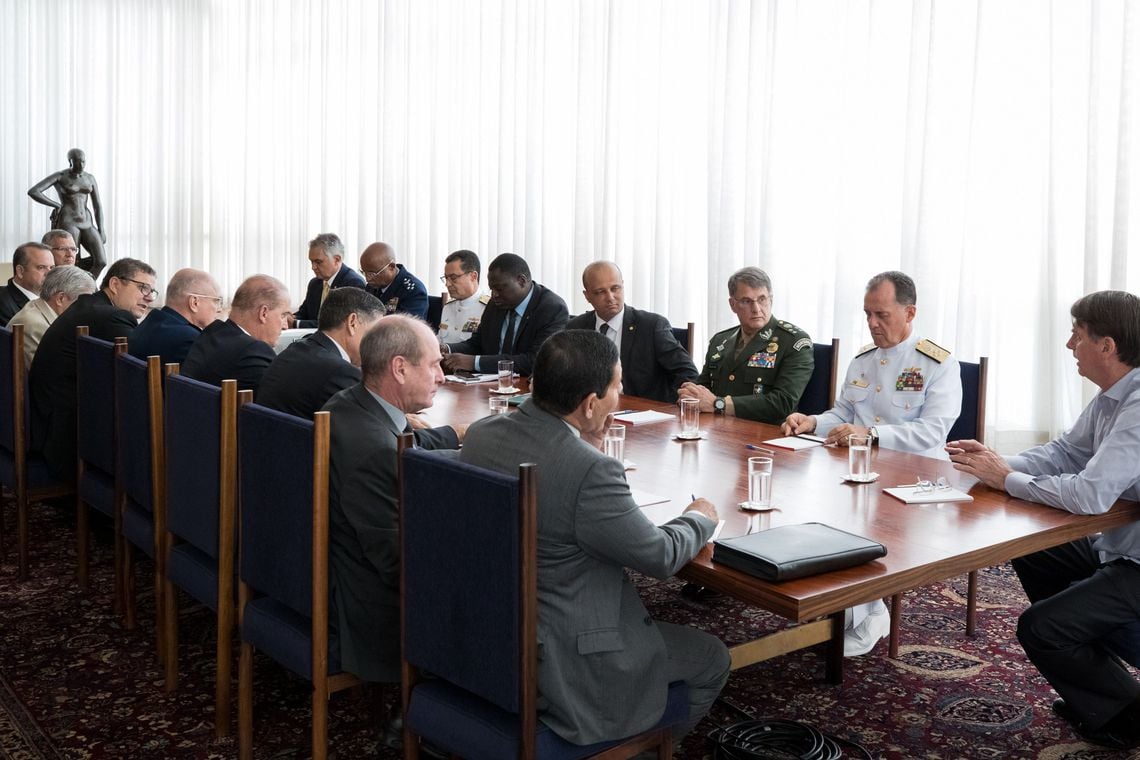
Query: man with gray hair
[[326, 257], [759, 369], [62, 246], [307, 373], [61, 287], [400, 365], [241, 347], [31, 262], [193, 300]]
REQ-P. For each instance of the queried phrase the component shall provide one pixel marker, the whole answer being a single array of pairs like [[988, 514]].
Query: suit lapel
[[628, 335]]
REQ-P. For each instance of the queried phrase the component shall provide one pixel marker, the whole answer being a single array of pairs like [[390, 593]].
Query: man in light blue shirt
[[1084, 593]]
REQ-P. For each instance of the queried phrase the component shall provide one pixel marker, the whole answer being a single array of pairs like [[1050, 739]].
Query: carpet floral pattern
[[75, 684]]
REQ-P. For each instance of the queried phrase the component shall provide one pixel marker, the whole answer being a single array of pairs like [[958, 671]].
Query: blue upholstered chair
[[435, 310], [684, 336], [27, 475], [95, 480], [200, 508], [469, 612], [819, 393], [283, 610], [971, 423]]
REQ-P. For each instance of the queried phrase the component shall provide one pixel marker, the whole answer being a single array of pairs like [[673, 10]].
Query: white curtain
[[988, 148]]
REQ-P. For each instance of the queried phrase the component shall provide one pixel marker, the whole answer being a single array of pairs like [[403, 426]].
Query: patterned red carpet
[[75, 684]]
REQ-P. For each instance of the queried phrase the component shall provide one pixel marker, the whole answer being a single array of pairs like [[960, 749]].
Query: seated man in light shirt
[[462, 314], [1084, 593], [904, 392], [61, 287]]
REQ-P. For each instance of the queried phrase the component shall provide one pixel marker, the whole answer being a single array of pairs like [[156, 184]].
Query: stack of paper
[[641, 418], [915, 495], [796, 442], [473, 378]]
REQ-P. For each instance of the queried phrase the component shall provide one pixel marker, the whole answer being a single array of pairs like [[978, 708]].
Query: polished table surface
[[925, 542]]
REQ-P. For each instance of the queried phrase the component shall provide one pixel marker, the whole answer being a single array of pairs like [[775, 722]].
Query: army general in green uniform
[[759, 370]]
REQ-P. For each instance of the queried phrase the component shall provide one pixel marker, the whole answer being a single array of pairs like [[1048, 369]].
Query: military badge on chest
[[765, 359], [471, 324], [910, 379], [390, 307]]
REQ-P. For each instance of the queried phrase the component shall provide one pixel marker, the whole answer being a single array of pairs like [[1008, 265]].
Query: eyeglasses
[[369, 275], [452, 278], [216, 299], [68, 248], [922, 485], [148, 291], [748, 303]]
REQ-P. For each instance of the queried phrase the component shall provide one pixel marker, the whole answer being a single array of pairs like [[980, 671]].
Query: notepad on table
[[915, 495], [796, 442], [473, 378], [641, 418]]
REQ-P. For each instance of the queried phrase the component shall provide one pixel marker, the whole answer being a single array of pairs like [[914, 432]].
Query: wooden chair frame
[[23, 493], [972, 576]]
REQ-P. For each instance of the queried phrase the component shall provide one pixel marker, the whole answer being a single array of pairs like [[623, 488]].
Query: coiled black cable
[[778, 739]]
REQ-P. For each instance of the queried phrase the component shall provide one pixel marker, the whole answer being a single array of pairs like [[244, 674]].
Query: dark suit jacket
[[346, 277], [364, 561], [223, 351], [545, 315], [601, 673], [405, 294], [164, 333], [653, 363], [306, 375], [52, 377], [12, 299]]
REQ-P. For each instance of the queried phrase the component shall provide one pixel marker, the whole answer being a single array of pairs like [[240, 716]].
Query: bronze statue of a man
[[70, 212]]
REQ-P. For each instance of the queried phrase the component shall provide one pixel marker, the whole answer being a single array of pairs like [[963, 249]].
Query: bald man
[[241, 347], [193, 301], [399, 290]]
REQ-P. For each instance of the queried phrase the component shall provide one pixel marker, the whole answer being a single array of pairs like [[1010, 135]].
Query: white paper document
[[912, 495], [472, 379], [641, 418], [796, 442]]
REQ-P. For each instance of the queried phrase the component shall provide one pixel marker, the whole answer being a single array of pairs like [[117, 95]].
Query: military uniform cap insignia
[[933, 350]]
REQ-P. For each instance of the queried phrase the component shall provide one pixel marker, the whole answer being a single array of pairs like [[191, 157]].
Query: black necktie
[[509, 338], [604, 329]]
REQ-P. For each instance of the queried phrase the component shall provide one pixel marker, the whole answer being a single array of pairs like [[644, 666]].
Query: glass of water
[[859, 457], [506, 375], [690, 418], [759, 483], [499, 405], [614, 442]]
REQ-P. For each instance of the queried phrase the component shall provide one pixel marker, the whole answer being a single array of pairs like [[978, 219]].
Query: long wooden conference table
[[925, 542]]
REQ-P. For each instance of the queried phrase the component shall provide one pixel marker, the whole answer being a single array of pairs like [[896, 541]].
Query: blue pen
[[694, 497]]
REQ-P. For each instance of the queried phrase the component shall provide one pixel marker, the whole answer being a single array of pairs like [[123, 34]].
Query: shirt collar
[[339, 347], [615, 323], [31, 296], [398, 417], [521, 308]]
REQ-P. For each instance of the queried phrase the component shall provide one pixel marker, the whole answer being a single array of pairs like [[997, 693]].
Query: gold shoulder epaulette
[[932, 349], [485, 299], [866, 349], [789, 327]]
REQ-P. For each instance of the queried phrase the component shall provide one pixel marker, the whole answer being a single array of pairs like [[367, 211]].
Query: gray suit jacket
[[601, 657], [364, 558]]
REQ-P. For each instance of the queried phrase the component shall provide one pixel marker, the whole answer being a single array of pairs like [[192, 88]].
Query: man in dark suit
[[307, 373], [241, 347], [112, 312], [653, 363], [400, 362], [399, 290], [30, 264], [326, 257], [606, 665], [520, 316], [193, 300]]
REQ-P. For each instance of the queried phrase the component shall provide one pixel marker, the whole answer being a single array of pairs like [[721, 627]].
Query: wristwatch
[[718, 405]]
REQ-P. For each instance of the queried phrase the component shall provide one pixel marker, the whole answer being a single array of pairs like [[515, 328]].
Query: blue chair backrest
[[434, 311], [133, 430], [973, 391], [95, 399], [461, 575], [275, 465], [8, 390], [817, 393], [682, 336], [193, 456]]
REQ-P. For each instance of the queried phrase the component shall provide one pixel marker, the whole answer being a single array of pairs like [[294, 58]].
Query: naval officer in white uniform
[[462, 313]]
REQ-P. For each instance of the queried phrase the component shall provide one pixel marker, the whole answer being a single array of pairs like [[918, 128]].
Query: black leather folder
[[795, 551]]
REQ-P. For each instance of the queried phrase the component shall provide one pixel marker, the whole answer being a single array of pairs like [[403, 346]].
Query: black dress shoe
[[1118, 733], [698, 592]]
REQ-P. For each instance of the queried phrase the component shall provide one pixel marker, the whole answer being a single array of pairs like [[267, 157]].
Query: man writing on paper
[[759, 369], [904, 392], [1082, 594], [605, 665]]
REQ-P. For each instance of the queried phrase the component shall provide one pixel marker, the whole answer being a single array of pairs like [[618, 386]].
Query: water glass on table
[[499, 405], [690, 418], [506, 375], [759, 483], [859, 457], [614, 442]]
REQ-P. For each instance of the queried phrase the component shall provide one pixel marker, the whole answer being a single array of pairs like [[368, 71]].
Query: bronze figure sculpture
[[70, 212]]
